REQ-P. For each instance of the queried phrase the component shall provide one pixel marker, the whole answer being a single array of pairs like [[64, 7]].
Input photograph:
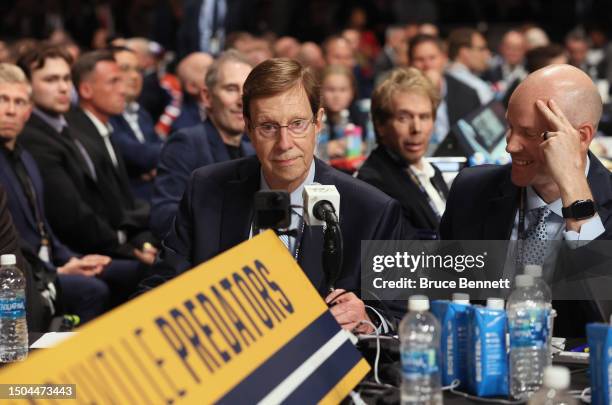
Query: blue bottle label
[[12, 308], [530, 328], [416, 364]]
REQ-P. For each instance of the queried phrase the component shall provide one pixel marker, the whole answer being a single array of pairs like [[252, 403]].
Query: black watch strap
[[580, 209]]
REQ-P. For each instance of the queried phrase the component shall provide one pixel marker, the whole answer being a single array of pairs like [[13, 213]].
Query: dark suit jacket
[[238, 18], [135, 213], [36, 314], [81, 211], [389, 175], [24, 220], [482, 205], [139, 157], [189, 116], [185, 151], [216, 213], [461, 99]]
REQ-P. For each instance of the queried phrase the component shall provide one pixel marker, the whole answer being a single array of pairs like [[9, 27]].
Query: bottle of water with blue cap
[[419, 334], [13, 326]]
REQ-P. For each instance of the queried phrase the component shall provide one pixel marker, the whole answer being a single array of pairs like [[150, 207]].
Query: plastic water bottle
[[420, 350], [322, 140], [535, 271], [554, 391], [528, 319], [13, 326]]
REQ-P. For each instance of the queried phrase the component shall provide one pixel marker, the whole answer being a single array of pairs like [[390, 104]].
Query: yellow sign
[[245, 326]]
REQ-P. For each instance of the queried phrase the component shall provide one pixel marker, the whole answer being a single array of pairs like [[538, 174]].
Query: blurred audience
[[217, 139], [427, 54], [134, 130], [469, 56]]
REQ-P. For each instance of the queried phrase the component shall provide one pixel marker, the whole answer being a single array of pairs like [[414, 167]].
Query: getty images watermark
[[395, 270]]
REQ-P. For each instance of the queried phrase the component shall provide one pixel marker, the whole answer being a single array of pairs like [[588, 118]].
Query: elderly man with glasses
[[282, 111]]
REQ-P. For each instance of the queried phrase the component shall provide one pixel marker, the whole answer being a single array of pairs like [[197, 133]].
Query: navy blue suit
[[185, 151], [139, 157], [482, 205], [189, 116], [81, 295], [216, 213]]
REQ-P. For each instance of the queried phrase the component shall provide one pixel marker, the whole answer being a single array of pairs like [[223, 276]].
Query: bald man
[[191, 72], [564, 190]]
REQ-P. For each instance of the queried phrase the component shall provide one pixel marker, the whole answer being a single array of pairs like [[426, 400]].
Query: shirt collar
[[427, 170], [103, 130], [534, 201], [296, 195], [57, 123], [132, 108]]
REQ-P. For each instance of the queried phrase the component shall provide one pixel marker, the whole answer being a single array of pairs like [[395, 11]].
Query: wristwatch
[[580, 209]]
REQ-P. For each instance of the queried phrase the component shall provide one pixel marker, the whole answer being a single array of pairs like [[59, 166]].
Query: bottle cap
[[8, 260], [534, 270], [418, 303], [523, 280], [461, 298], [557, 377], [495, 303]]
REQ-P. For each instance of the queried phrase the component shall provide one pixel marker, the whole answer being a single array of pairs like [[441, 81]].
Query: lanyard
[[521, 222]]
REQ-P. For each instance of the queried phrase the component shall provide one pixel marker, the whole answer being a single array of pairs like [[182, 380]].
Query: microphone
[[327, 202], [322, 207]]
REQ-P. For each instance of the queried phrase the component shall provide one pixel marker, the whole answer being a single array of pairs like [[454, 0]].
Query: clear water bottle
[[420, 351], [13, 326], [535, 270], [528, 320], [554, 391]]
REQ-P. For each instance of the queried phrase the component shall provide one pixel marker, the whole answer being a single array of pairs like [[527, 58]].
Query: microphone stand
[[332, 242]]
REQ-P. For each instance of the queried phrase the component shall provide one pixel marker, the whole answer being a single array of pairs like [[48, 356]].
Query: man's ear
[[85, 90], [586, 132], [319, 120], [205, 97]]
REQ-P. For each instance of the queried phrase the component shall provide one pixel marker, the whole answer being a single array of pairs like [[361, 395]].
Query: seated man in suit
[[191, 71], [427, 53], [553, 115], [82, 292], [403, 111], [101, 90], [134, 129], [217, 139], [82, 213], [281, 104]]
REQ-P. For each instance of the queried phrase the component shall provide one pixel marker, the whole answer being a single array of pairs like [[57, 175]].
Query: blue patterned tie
[[535, 244]]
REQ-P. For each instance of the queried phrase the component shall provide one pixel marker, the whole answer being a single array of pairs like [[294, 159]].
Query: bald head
[[571, 88], [192, 71]]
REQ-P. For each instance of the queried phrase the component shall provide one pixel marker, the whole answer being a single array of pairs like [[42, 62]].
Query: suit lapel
[[217, 147], [15, 187], [501, 211], [238, 196]]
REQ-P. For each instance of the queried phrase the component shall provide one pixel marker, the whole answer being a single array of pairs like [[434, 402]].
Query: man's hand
[[147, 254], [97, 259], [84, 267], [348, 311], [564, 158]]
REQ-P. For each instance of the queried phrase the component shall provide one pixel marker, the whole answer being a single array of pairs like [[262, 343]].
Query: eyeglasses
[[297, 128]]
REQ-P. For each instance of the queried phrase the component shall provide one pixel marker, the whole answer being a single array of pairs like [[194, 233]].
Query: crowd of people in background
[[98, 144]]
